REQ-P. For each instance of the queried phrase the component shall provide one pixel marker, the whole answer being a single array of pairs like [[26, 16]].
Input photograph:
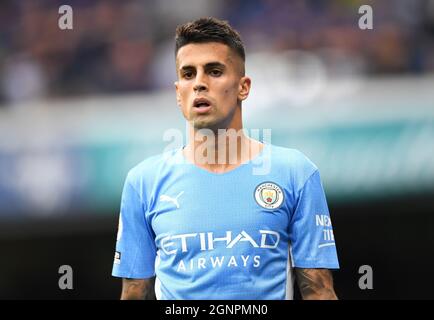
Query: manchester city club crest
[[269, 195]]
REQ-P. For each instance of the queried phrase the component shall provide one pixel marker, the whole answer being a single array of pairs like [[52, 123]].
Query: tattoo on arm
[[138, 289], [315, 284]]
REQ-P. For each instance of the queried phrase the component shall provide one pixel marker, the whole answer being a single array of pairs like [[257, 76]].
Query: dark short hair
[[209, 30]]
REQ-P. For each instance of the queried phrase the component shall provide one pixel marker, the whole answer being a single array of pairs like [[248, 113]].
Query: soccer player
[[199, 222]]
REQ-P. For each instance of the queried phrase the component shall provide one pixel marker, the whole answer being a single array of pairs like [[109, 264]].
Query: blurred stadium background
[[79, 107]]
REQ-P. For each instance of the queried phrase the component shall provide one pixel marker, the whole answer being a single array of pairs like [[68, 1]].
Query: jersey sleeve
[[311, 236], [135, 246]]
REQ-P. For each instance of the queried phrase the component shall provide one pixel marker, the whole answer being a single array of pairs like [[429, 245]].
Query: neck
[[220, 150]]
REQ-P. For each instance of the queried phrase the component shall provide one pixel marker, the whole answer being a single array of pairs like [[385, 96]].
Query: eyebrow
[[209, 65]]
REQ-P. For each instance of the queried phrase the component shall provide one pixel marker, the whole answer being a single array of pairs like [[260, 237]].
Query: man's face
[[210, 84]]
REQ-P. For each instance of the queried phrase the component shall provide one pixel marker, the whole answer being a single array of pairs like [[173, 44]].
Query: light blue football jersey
[[236, 235]]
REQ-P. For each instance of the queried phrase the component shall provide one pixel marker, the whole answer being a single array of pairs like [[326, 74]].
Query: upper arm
[[310, 229], [135, 244], [138, 289], [315, 284]]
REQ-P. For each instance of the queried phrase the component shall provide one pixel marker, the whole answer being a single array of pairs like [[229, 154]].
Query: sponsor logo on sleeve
[[117, 257]]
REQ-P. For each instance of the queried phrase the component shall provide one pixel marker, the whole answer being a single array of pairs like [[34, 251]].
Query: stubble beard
[[213, 122]]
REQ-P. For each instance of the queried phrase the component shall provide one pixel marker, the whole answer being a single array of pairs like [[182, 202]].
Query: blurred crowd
[[125, 46]]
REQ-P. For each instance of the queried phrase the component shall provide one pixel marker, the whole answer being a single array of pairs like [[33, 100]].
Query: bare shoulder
[[138, 289], [315, 284]]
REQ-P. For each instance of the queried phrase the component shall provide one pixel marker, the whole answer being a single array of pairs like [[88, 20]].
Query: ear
[[178, 96], [244, 88]]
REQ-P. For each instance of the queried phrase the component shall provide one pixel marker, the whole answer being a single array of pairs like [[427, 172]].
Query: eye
[[188, 75], [216, 72]]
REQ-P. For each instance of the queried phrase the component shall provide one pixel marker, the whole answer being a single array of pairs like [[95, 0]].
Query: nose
[[200, 84], [199, 87]]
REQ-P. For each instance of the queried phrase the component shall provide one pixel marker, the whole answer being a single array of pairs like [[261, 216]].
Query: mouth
[[201, 105]]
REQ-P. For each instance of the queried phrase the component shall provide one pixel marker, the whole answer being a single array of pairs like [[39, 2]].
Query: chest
[[205, 213]]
